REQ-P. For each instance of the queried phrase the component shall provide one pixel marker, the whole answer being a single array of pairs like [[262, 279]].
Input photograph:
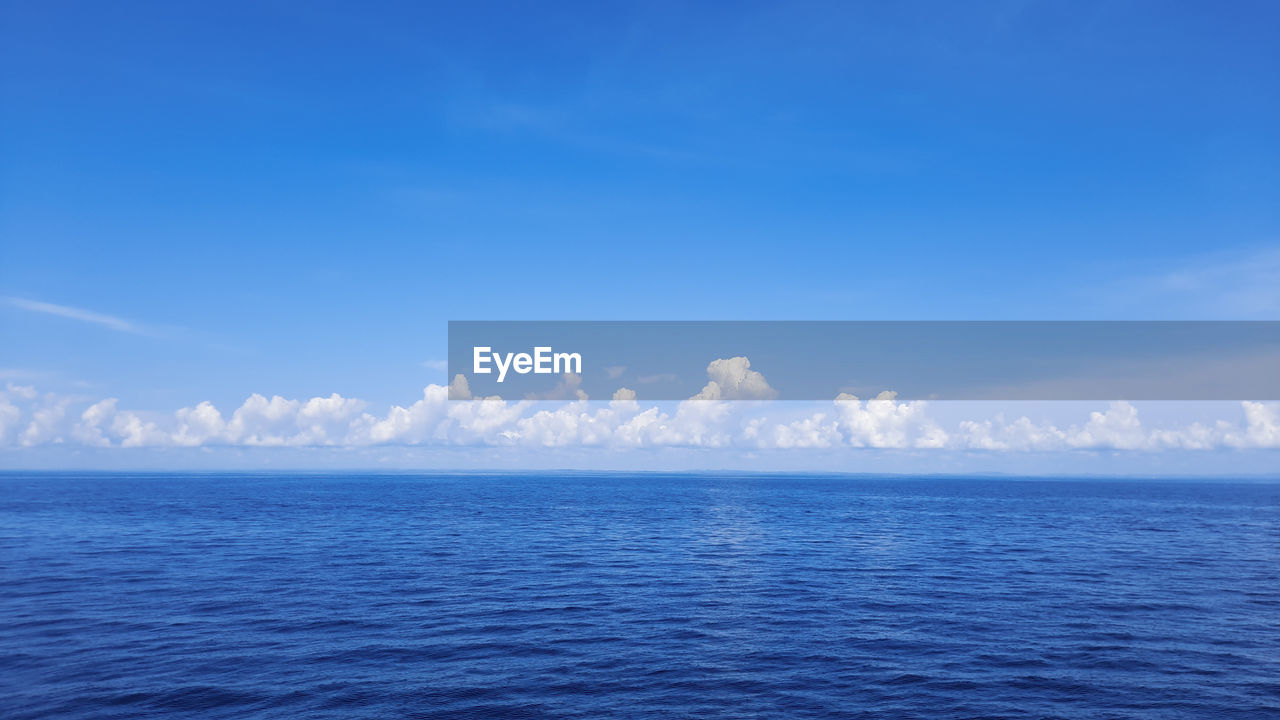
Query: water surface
[[512, 596]]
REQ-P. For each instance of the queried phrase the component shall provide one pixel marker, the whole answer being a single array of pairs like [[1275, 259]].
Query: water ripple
[[225, 596]]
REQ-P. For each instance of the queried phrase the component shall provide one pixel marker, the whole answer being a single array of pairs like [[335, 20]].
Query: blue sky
[[293, 199]]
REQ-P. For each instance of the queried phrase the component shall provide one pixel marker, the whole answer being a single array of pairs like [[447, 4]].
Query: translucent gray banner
[[819, 360]]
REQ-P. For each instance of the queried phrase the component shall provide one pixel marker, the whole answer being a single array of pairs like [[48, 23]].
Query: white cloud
[[279, 421], [884, 423], [572, 424], [260, 421], [29, 418], [815, 431], [413, 424], [1262, 426], [458, 388], [93, 420], [134, 431], [46, 422], [326, 421], [997, 434], [733, 379], [1117, 428], [199, 425]]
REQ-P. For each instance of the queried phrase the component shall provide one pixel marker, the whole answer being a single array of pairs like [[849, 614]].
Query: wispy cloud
[[1237, 285], [9, 373], [110, 322], [1245, 285]]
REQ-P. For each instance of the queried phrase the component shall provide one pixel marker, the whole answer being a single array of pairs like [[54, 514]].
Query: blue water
[[636, 596]]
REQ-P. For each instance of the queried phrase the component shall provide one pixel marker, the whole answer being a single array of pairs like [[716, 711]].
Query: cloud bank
[[29, 418]]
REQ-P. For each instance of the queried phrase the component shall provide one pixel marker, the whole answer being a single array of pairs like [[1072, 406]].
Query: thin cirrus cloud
[[1236, 285], [110, 322]]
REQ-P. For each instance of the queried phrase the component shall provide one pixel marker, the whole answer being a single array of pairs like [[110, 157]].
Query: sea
[[578, 595]]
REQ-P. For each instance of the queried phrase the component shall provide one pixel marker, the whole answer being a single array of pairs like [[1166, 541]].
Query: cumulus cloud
[[135, 431], [1262, 426], [816, 431], [1118, 427], [199, 425], [458, 388], [45, 423], [93, 421], [998, 434], [30, 418], [409, 425], [733, 379], [882, 422]]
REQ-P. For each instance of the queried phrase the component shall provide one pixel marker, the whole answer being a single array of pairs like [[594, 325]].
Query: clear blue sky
[[294, 198]]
